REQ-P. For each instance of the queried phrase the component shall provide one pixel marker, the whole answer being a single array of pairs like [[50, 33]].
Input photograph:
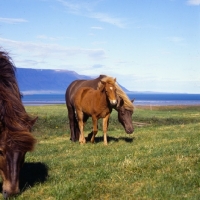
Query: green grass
[[160, 160]]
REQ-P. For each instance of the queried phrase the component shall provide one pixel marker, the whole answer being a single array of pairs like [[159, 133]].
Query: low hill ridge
[[47, 80]]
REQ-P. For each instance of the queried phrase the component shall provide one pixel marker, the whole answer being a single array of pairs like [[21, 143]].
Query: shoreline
[[136, 103], [139, 99]]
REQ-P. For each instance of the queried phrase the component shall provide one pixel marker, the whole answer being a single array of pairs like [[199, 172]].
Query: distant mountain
[[46, 80]]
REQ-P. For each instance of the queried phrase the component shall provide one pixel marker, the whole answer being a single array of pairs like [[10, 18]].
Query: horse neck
[[103, 98]]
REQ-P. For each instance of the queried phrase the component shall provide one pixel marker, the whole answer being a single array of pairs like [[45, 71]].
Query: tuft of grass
[[160, 160]]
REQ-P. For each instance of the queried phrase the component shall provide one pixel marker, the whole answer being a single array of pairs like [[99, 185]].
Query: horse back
[[75, 85]]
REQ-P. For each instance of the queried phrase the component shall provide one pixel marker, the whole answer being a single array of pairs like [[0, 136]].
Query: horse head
[[13, 147], [125, 115], [10, 165], [108, 85], [15, 126]]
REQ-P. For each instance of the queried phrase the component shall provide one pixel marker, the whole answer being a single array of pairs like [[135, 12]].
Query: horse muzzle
[[7, 194], [113, 102], [129, 129], [9, 190]]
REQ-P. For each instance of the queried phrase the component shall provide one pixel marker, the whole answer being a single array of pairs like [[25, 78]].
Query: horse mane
[[7, 75], [19, 140], [106, 79], [14, 119], [127, 103]]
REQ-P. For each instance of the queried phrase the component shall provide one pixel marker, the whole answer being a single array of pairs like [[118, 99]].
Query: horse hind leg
[[81, 126], [73, 123], [85, 118], [95, 130]]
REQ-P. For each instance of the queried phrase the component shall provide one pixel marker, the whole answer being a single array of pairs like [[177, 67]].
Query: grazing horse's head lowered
[[13, 147], [15, 126], [125, 110]]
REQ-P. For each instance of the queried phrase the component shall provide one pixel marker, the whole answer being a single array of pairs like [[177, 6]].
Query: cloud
[[103, 17], [77, 7], [29, 62], [12, 20], [44, 37], [87, 9], [49, 38], [51, 50], [193, 2]]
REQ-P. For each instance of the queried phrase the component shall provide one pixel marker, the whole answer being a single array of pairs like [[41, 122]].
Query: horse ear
[[115, 79], [132, 100], [33, 121]]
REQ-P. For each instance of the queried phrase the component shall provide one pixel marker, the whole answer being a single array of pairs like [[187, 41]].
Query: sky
[[148, 45]]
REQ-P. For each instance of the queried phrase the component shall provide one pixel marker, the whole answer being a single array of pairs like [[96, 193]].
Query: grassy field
[[160, 160]]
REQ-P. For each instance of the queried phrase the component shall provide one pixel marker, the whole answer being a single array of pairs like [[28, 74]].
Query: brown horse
[[124, 106], [97, 104], [15, 126]]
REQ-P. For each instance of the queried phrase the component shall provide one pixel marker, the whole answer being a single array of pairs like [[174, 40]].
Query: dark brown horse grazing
[[124, 106], [15, 126], [96, 104]]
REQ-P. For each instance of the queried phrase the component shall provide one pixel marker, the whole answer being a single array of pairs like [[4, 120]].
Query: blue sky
[[148, 45]]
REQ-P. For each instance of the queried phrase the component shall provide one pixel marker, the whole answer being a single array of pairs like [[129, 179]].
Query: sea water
[[139, 99]]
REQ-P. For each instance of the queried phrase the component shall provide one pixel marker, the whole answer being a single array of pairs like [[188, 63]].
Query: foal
[[97, 104]]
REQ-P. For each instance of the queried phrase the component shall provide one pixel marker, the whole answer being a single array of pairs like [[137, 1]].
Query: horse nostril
[[6, 194]]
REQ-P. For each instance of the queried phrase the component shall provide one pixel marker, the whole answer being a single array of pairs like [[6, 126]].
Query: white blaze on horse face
[[113, 102]]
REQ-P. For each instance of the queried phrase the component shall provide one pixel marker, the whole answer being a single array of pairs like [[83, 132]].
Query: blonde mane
[[106, 79], [127, 103]]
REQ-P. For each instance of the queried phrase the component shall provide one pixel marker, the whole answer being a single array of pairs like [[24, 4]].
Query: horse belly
[[104, 113], [88, 107]]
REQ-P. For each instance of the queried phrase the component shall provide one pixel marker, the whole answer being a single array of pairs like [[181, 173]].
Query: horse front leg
[[105, 128], [95, 130]]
